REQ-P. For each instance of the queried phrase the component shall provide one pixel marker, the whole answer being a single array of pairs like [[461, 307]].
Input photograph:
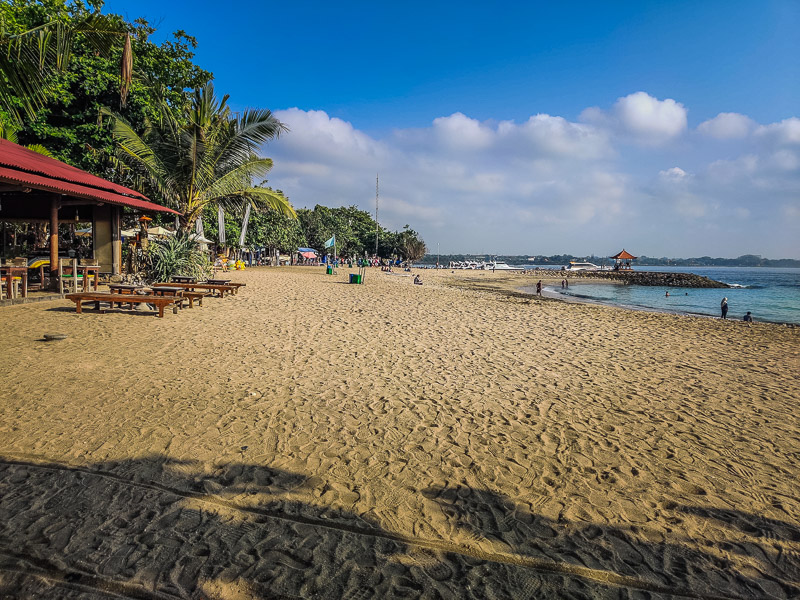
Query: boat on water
[[582, 266], [499, 266], [466, 264]]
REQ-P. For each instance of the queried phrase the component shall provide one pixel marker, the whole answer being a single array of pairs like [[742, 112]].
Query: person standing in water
[[724, 307]]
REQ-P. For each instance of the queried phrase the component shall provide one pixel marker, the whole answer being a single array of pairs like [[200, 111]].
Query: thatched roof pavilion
[[622, 260]]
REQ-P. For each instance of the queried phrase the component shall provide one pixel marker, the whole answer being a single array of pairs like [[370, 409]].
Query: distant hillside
[[746, 260]]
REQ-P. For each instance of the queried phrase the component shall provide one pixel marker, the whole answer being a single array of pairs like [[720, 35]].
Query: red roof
[[19, 165], [624, 255]]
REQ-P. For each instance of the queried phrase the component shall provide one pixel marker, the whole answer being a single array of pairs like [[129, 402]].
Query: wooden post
[[116, 241], [54, 201]]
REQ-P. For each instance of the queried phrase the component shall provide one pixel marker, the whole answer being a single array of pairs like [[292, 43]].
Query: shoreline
[[556, 295]]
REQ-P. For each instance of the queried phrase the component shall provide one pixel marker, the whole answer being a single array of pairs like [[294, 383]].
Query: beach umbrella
[[129, 232], [84, 232], [159, 231]]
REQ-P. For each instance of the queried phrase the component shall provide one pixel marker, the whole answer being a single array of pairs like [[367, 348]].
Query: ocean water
[[769, 294]]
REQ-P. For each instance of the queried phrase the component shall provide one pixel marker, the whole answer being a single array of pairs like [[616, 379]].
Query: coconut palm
[[205, 157]]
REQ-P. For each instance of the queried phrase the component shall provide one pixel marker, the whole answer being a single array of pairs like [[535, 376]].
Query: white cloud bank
[[630, 175]]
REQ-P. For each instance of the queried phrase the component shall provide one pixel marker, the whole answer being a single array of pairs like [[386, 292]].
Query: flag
[[331, 241], [244, 225], [221, 220]]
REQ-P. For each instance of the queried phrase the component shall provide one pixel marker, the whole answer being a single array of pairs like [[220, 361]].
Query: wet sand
[[307, 438]]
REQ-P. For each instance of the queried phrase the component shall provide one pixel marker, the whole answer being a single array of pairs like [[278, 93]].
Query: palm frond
[[39, 149]]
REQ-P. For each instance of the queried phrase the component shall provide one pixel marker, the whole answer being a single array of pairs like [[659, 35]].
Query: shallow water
[[770, 294]]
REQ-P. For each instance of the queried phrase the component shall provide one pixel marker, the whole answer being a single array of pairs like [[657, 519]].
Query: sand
[[307, 438]]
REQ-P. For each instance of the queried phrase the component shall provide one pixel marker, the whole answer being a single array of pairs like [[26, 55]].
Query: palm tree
[[29, 57], [205, 157]]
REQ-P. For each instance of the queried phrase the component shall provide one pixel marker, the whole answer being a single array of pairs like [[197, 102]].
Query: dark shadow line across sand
[[130, 519]]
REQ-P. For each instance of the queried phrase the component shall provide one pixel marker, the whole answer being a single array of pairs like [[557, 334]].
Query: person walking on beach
[[724, 307], [539, 288]]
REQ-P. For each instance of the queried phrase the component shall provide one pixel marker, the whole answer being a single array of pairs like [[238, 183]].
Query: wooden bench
[[226, 282], [160, 302], [180, 294], [192, 296], [119, 288], [221, 289]]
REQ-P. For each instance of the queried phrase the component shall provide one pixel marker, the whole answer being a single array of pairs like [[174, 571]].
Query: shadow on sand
[[158, 528]]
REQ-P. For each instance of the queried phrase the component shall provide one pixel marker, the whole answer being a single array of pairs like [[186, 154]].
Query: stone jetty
[[649, 278]]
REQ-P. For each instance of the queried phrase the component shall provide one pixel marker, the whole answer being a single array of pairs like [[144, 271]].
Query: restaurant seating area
[[19, 276], [159, 296]]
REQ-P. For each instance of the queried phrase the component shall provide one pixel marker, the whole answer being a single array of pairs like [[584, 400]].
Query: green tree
[[354, 230], [275, 231], [68, 123], [410, 246], [37, 41], [204, 158]]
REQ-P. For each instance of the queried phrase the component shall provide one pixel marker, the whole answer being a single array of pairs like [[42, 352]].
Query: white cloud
[[727, 126], [785, 133], [313, 134], [673, 174], [460, 132], [555, 136], [650, 118], [641, 118]]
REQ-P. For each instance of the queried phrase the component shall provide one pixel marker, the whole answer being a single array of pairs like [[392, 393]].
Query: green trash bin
[[329, 270], [354, 278]]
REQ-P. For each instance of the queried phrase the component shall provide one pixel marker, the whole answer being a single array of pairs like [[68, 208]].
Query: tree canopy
[[67, 119]]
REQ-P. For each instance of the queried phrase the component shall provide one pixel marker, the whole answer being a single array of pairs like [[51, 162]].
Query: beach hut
[[35, 188], [308, 255], [622, 261]]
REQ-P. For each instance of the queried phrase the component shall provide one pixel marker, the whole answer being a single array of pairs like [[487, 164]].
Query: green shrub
[[176, 255]]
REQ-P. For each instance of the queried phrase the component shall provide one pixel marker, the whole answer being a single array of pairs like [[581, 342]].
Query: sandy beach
[[311, 439]]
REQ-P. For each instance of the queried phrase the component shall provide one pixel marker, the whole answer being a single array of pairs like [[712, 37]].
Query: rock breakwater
[[648, 278]]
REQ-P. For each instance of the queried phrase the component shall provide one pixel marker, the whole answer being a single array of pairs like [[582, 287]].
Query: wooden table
[[184, 279], [9, 273], [125, 288], [221, 289], [228, 282]]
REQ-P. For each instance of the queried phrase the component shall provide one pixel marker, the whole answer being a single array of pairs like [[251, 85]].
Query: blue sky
[[574, 116]]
